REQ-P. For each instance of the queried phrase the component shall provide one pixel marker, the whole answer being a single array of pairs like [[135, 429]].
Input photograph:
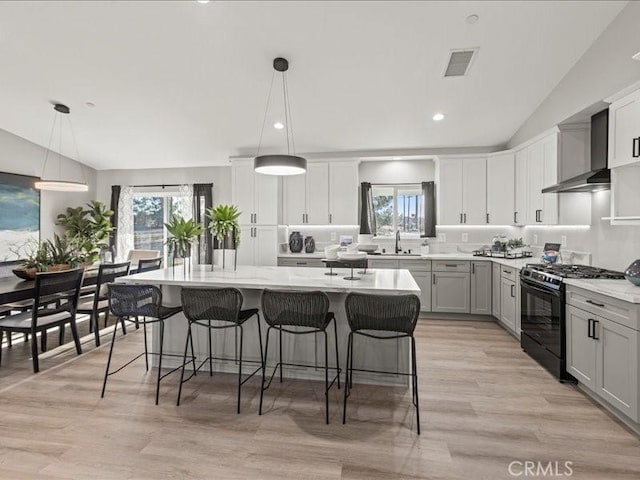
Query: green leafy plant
[[183, 233], [62, 250], [515, 243], [89, 228], [35, 255], [224, 221]]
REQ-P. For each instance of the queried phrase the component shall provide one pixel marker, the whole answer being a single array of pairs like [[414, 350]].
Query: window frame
[[396, 187]]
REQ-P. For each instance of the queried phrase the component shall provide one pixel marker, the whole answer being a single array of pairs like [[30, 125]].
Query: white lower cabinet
[[495, 290], [423, 279], [508, 303], [603, 356], [450, 292], [481, 288], [258, 245]]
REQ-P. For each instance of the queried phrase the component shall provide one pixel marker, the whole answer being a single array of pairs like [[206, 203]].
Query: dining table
[[14, 289]]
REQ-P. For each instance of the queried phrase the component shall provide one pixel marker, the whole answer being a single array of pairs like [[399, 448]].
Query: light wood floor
[[484, 404]]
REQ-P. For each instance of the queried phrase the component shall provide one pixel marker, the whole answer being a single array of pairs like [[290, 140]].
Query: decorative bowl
[[25, 273], [351, 256], [367, 247]]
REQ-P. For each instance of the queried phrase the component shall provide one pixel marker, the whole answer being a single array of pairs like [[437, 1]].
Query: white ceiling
[[185, 84]]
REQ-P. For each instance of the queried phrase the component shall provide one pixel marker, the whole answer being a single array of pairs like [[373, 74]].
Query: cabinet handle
[[461, 219], [330, 218], [601, 305], [465, 218], [255, 218], [595, 329], [636, 141], [515, 217], [473, 269], [448, 265], [589, 334], [487, 218], [434, 278], [512, 291], [301, 263]]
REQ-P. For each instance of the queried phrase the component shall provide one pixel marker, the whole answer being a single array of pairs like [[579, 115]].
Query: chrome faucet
[[398, 247]]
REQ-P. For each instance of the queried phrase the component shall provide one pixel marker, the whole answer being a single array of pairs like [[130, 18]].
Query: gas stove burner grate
[[576, 271]]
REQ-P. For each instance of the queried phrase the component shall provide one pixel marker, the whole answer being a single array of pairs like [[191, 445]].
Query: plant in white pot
[[225, 228]]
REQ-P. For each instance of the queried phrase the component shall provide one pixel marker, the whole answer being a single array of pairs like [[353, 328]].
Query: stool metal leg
[[184, 362], [335, 330], [210, 353], [146, 349], [160, 361], [93, 323], [326, 377], [262, 359], [415, 381], [280, 344], [106, 372], [347, 384], [264, 369], [240, 367]]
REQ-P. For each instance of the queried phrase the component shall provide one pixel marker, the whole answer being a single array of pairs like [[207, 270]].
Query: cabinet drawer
[[619, 311], [510, 273], [300, 262], [382, 263], [451, 266], [418, 265]]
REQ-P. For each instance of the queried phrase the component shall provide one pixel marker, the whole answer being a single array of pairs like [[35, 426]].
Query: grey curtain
[[115, 201], [203, 201], [367, 217], [429, 208]]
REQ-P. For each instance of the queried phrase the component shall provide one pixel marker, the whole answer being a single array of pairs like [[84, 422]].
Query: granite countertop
[[283, 278], [620, 289]]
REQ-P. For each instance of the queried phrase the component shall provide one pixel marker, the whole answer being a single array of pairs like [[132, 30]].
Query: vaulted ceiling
[[185, 84]]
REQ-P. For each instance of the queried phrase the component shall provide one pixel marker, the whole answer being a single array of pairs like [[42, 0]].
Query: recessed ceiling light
[[90, 104], [471, 19], [202, 1], [636, 56], [438, 116], [278, 125], [397, 158]]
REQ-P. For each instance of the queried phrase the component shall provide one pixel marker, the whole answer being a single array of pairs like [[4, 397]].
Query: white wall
[[397, 171], [219, 176], [604, 69], [18, 155]]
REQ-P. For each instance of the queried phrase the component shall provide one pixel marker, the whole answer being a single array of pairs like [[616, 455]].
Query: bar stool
[[201, 307], [128, 302], [307, 310], [394, 314]]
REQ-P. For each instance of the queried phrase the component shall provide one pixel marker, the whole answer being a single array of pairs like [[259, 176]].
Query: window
[[398, 207]]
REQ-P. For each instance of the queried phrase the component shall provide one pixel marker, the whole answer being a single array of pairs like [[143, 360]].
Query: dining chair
[[149, 264], [99, 302], [65, 287], [382, 317]]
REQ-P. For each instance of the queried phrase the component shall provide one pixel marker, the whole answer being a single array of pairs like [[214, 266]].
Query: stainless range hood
[[599, 176]]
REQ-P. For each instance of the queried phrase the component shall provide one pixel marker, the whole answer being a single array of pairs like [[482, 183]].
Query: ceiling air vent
[[459, 62]]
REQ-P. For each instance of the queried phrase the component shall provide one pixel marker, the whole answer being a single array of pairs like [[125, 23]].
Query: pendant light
[[281, 164], [59, 184]]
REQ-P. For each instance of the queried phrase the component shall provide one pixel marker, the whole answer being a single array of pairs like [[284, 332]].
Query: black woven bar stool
[[202, 306], [393, 316], [131, 302], [309, 311]]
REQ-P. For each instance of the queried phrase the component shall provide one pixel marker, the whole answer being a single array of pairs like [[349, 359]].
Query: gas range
[[552, 275]]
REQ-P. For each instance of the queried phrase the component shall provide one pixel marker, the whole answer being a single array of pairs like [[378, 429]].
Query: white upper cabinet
[[343, 192], [327, 193], [256, 195], [624, 131], [521, 187], [500, 188], [462, 191]]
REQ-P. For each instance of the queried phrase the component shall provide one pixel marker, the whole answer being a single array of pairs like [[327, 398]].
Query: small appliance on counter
[[551, 253], [632, 273], [296, 242]]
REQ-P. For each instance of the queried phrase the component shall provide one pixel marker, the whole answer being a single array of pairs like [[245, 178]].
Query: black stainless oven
[[543, 325]]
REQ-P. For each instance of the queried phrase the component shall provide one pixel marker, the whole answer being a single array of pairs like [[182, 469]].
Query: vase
[[296, 242], [632, 273], [309, 244]]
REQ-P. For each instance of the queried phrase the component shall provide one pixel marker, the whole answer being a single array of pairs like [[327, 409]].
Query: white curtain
[[125, 223], [185, 201]]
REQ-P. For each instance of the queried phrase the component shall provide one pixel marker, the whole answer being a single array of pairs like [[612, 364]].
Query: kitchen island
[[307, 349]]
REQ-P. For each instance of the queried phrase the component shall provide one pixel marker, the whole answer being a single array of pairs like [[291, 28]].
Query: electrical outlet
[[442, 237], [535, 239], [563, 240], [465, 237], [333, 236]]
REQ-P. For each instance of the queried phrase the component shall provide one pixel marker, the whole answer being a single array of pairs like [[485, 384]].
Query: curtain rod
[[163, 185], [397, 184]]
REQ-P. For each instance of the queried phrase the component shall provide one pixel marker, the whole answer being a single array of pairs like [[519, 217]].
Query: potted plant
[[224, 227], [36, 259], [62, 253], [183, 234], [515, 245], [89, 228]]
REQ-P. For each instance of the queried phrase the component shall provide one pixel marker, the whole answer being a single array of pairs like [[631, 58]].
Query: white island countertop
[[282, 278]]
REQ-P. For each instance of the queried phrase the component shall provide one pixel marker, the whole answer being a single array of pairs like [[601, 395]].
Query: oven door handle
[[526, 284]]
